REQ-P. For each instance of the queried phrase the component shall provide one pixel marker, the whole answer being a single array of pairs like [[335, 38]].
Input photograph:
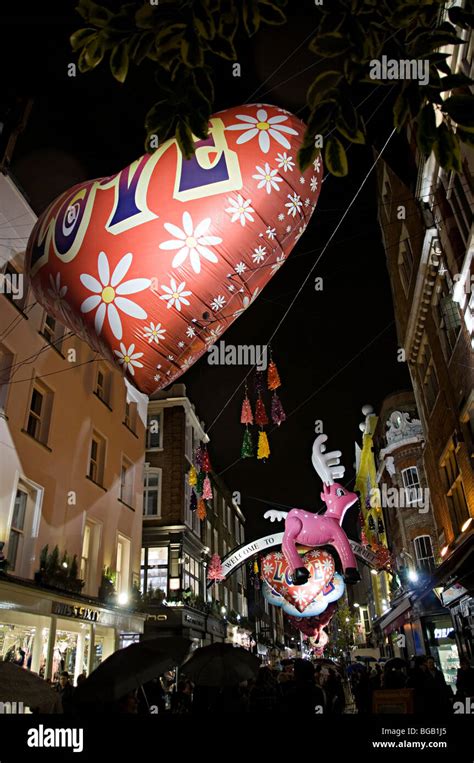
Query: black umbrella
[[129, 668], [20, 685], [220, 665], [395, 663]]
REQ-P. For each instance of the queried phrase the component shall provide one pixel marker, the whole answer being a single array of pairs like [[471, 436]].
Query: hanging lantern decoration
[[193, 501], [192, 476], [278, 414], [263, 450], [214, 571], [200, 483], [261, 417], [363, 538], [198, 457], [201, 510], [207, 489], [259, 383], [247, 445], [382, 557], [206, 461], [255, 567], [273, 377], [246, 415]]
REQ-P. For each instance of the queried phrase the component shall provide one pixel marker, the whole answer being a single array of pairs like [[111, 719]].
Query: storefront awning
[[389, 617]]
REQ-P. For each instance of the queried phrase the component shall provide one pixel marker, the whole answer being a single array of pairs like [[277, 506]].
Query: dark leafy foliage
[[184, 38]]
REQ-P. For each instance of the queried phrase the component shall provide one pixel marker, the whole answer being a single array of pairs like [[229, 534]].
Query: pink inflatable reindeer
[[309, 529]]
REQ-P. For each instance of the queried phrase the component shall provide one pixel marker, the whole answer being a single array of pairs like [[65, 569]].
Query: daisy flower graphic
[[108, 294], [285, 162], [192, 242], [263, 127], [154, 333], [240, 209], [313, 183], [293, 204], [259, 254], [218, 302], [175, 296], [128, 359], [279, 262], [268, 178]]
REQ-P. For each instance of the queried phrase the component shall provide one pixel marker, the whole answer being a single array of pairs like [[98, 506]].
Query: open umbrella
[[129, 668], [329, 663], [220, 665], [20, 685], [395, 663]]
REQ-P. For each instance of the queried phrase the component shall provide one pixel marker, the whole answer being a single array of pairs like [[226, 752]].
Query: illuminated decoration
[[329, 594], [383, 559], [312, 626], [305, 528], [152, 264], [214, 571], [277, 573]]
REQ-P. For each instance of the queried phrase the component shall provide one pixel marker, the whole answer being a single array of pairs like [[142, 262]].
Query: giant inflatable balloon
[[276, 572], [330, 593], [153, 264]]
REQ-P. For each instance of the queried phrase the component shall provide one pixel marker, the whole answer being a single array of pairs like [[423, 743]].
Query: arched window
[[424, 553]]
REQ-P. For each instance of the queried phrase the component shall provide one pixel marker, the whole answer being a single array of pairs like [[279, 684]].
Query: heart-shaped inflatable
[[330, 593], [311, 626], [276, 572], [152, 265]]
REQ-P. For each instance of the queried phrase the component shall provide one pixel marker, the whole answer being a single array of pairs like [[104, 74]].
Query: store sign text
[[81, 613]]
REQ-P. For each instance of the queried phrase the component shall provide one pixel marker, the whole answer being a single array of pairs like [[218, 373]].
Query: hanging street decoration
[[330, 593], [276, 572], [214, 571], [278, 416], [152, 264]]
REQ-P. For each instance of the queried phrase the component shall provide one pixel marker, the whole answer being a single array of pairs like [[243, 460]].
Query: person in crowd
[[301, 695], [417, 680], [265, 695], [465, 679], [66, 691], [393, 678], [181, 699], [80, 679], [128, 704], [440, 695], [362, 695], [334, 692]]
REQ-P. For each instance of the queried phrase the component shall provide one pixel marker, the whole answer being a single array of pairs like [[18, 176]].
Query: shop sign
[[442, 632], [452, 593], [74, 610]]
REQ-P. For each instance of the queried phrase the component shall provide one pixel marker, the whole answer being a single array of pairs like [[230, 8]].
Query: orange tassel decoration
[[273, 377], [201, 510]]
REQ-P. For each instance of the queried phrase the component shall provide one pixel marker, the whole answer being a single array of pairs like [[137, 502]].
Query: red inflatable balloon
[[312, 626], [276, 572], [152, 265]]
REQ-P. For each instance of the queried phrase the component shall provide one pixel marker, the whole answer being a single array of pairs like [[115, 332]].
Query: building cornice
[[184, 402], [425, 282]]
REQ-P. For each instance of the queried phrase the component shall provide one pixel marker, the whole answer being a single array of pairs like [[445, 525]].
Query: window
[[461, 202], [424, 553], [405, 260], [208, 534], [189, 443], [428, 377], [237, 530], [229, 518], [191, 574], [97, 459], [154, 431], [447, 314], [6, 363], [90, 561], [17, 529], [152, 493], [103, 384], [130, 415], [39, 413], [154, 570], [122, 566], [411, 483], [224, 513], [52, 331], [456, 497], [215, 541], [13, 286], [126, 482], [84, 568]]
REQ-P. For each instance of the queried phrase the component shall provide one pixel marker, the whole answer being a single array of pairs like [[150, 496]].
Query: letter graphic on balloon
[[153, 264]]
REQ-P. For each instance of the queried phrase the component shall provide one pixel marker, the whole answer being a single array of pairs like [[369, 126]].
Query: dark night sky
[[337, 348]]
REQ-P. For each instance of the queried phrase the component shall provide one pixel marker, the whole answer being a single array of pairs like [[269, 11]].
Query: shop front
[[48, 632]]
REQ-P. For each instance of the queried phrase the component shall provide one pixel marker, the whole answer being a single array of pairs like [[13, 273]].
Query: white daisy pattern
[[190, 332], [302, 180], [271, 233], [213, 334], [187, 363], [154, 333], [301, 230], [313, 183], [285, 162], [180, 344], [300, 596], [128, 359], [157, 377], [175, 295], [317, 164], [264, 127], [218, 302], [240, 268], [267, 178], [108, 294], [240, 209], [307, 202], [293, 204], [281, 216], [247, 301], [259, 254], [191, 241], [279, 262]]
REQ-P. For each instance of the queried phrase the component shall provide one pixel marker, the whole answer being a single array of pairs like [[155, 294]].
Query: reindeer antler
[[327, 465]]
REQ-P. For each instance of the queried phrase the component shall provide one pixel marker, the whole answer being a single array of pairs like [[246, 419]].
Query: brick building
[[428, 235], [177, 545]]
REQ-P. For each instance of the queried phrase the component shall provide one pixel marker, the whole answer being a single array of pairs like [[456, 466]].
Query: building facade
[[428, 234], [177, 545], [71, 476]]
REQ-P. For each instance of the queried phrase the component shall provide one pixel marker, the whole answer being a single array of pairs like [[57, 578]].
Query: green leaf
[[224, 48], [250, 16], [95, 51], [94, 13], [143, 46], [119, 61], [404, 16], [185, 139], [335, 157], [199, 124], [307, 154], [355, 136], [461, 109], [270, 13], [82, 62], [452, 81], [321, 84], [447, 149], [329, 45], [400, 109], [191, 51], [320, 117], [81, 37], [145, 16], [426, 129], [204, 21], [203, 85], [429, 41]]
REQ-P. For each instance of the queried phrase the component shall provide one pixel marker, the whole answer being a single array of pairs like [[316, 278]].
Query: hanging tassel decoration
[[207, 490], [247, 445], [198, 457], [255, 567], [246, 415], [278, 414], [193, 501], [261, 417], [263, 447], [259, 382], [206, 461], [200, 482], [192, 476], [201, 510], [273, 377]]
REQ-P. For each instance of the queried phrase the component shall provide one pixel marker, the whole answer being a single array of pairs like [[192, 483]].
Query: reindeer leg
[[343, 548], [293, 528]]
